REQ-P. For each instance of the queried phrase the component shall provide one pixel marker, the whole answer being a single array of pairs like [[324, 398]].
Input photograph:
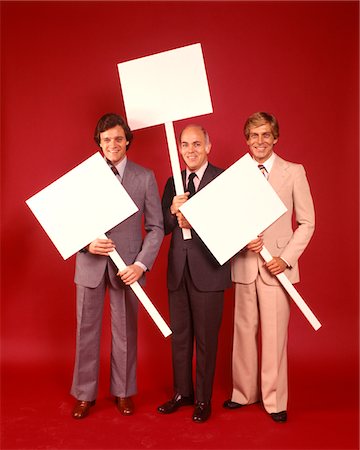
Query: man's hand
[[101, 247], [276, 265], [178, 200], [130, 274], [183, 223], [256, 245]]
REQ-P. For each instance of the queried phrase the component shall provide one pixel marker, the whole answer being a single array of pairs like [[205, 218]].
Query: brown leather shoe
[[125, 405], [82, 409]]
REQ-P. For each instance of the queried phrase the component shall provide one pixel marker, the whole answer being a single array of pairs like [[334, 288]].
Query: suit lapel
[[278, 174], [130, 175], [183, 176], [207, 177]]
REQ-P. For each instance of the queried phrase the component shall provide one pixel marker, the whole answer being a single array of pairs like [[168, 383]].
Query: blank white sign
[[81, 205], [165, 87], [233, 209]]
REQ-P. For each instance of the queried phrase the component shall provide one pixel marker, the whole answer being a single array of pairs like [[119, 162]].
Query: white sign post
[[234, 208], [80, 207], [162, 88]]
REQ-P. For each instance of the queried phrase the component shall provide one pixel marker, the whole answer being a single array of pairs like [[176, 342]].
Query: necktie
[[263, 170], [114, 169], [191, 186]]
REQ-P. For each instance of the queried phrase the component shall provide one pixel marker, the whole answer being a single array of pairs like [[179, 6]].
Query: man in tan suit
[[260, 301]]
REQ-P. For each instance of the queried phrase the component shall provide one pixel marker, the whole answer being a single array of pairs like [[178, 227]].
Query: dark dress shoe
[[279, 416], [125, 405], [82, 409], [229, 404], [175, 403], [202, 412]]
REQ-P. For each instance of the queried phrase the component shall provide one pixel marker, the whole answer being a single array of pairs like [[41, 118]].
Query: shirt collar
[[268, 163], [199, 173], [120, 166]]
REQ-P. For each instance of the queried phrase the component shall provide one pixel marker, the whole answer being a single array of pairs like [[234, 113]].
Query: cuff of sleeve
[[288, 265], [140, 264]]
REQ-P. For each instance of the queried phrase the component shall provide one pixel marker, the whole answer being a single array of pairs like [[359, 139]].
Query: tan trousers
[[264, 308]]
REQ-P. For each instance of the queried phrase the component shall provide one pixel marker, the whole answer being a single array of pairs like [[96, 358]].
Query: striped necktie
[[263, 170], [114, 170]]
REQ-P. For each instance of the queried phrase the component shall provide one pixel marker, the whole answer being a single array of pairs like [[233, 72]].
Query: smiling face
[[194, 147], [261, 142], [113, 143]]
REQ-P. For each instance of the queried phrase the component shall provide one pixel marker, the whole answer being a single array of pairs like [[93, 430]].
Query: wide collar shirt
[[268, 164], [199, 174], [120, 167]]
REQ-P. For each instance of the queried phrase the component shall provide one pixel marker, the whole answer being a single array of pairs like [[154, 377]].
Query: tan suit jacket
[[290, 183]]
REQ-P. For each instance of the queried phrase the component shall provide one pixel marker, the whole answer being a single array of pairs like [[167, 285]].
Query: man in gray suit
[[95, 272], [261, 303], [196, 284]]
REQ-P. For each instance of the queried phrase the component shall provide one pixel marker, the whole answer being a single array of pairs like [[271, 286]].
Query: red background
[[298, 60]]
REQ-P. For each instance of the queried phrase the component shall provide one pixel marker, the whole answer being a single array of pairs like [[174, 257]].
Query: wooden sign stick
[[175, 166], [293, 293], [141, 295]]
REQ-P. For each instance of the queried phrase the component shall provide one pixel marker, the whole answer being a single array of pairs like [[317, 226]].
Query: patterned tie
[[191, 185], [114, 169], [263, 170]]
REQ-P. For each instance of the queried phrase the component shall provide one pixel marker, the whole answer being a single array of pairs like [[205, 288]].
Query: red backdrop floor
[[36, 414]]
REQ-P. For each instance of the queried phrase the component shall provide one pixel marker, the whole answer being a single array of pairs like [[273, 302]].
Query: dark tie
[[191, 185], [114, 169], [263, 170]]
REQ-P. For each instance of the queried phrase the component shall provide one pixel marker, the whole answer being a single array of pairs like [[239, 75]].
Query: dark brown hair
[[111, 120]]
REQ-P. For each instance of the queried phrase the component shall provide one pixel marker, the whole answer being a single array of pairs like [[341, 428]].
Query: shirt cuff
[[140, 264], [287, 264]]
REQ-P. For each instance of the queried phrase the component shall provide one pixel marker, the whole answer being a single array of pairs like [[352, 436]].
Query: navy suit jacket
[[207, 274]]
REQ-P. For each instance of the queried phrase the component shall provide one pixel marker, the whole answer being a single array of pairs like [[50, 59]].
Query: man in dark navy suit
[[196, 284]]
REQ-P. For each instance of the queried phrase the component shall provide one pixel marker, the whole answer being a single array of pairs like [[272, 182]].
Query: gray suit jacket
[[207, 274], [140, 184], [290, 183]]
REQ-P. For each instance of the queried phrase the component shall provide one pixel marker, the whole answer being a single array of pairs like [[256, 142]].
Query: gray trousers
[[123, 310]]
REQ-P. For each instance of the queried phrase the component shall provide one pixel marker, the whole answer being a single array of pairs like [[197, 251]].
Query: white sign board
[[165, 87], [80, 207], [233, 209], [84, 203]]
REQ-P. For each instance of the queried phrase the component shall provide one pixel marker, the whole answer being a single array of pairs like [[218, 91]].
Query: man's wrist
[[141, 265], [287, 264]]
